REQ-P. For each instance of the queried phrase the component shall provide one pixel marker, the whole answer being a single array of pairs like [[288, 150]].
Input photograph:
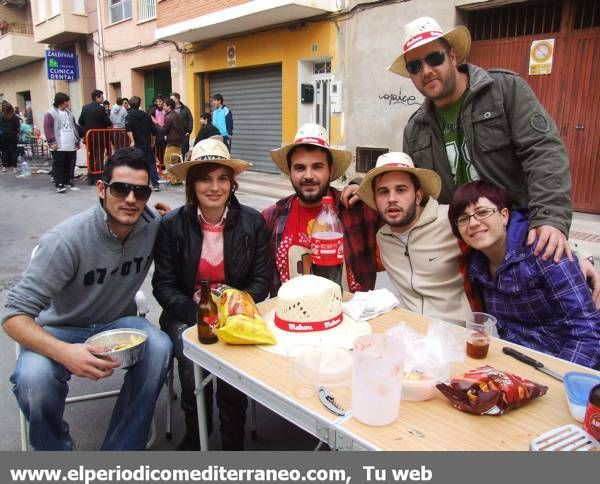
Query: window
[[79, 6], [366, 157], [118, 10], [147, 9], [587, 14]]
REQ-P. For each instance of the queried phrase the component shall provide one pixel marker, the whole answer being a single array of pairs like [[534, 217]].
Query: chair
[[24, 424]]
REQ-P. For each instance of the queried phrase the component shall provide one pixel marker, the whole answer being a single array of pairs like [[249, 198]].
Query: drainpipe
[[101, 42]]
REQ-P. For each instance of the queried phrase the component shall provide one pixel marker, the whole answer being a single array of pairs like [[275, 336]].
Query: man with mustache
[[311, 165], [418, 250]]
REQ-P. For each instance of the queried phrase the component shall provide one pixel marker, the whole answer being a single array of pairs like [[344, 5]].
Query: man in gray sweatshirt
[[81, 281]]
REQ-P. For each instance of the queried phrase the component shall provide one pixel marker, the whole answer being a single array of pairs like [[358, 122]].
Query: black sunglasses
[[122, 190], [433, 59]]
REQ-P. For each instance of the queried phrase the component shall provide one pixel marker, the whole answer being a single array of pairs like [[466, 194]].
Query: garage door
[[254, 97]]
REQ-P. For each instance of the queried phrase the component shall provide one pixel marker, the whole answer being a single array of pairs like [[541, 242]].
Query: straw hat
[[431, 183], [316, 135], [424, 30], [309, 312], [210, 151]]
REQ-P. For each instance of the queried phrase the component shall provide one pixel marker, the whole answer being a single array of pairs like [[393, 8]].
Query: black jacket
[[186, 117], [141, 126], [205, 132], [247, 259], [93, 116]]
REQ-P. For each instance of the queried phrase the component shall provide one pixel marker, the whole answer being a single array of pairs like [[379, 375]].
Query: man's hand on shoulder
[[79, 360], [349, 196], [162, 208], [550, 242]]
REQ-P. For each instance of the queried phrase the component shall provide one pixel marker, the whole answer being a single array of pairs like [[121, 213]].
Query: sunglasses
[[432, 59], [122, 190]]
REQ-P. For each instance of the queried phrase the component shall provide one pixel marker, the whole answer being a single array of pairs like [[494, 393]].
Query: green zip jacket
[[512, 142]]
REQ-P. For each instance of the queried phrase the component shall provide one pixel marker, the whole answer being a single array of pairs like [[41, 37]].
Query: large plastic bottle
[[327, 244], [25, 168]]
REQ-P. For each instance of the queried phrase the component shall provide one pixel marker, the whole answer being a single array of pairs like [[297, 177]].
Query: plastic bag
[[428, 358], [240, 322]]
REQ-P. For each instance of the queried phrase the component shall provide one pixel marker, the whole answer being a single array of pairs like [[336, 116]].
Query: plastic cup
[[480, 328], [377, 373], [306, 361]]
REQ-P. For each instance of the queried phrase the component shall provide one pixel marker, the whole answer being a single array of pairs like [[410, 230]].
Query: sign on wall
[[541, 56], [62, 66]]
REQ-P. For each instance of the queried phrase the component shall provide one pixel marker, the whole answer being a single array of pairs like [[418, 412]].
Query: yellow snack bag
[[239, 320]]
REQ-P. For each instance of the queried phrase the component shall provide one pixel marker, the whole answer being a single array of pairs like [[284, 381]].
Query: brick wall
[[173, 11]]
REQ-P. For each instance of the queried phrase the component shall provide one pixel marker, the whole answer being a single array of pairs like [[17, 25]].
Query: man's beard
[[409, 217], [313, 197]]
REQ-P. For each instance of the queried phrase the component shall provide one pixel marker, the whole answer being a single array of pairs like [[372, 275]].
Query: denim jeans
[[41, 386]]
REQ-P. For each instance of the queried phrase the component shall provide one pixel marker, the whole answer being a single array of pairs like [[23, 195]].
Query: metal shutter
[[254, 97]]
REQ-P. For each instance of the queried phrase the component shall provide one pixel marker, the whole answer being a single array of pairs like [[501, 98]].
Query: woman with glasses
[[211, 237], [540, 304]]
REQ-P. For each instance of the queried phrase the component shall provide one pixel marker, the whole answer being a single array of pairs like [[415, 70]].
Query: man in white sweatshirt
[[81, 281]]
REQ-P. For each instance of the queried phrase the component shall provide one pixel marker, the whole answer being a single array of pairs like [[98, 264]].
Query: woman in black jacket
[[212, 237], [9, 127]]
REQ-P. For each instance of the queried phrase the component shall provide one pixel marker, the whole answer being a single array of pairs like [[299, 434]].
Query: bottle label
[[592, 421], [327, 252], [212, 321]]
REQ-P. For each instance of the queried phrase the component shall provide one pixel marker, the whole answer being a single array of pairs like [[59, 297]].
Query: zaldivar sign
[[62, 66]]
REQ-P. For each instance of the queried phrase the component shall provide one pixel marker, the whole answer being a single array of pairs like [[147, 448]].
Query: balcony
[[244, 17], [64, 22], [17, 46]]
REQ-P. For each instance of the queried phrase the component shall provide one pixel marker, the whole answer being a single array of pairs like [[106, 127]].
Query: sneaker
[[73, 188], [4, 170], [61, 189], [156, 188]]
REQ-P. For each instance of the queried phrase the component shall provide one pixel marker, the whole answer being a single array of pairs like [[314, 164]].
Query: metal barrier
[[100, 144]]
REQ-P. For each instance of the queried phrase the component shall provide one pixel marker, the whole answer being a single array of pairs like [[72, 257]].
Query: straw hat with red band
[[424, 30], [430, 181], [210, 151], [315, 135], [309, 312]]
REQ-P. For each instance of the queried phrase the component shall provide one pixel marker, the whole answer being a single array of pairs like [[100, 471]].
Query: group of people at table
[[474, 213]]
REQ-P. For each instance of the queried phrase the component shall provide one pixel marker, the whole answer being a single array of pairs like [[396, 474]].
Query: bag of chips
[[488, 391], [239, 320]]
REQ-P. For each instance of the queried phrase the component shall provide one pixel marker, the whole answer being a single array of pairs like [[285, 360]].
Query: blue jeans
[[41, 386]]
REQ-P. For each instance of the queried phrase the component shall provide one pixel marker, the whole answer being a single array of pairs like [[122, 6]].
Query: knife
[[538, 365]]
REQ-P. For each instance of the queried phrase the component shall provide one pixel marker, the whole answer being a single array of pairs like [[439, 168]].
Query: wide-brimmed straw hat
[[424, 30], [316, 135], [430, 181], [210, 151]]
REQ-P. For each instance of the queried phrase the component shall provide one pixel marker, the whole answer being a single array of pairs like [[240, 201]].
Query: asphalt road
[[29, 207]]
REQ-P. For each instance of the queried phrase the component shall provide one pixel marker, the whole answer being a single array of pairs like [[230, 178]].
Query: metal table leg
[[199, 392]]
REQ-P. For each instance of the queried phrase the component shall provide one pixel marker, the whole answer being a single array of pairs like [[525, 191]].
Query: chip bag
[[240, 322], [488, 391]]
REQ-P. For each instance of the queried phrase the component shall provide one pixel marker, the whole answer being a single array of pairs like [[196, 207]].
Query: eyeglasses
[[122, 190], [433, 59], [479, 214]]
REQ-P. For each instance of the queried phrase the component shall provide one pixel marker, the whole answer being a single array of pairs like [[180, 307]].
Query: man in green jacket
[[485, 124]]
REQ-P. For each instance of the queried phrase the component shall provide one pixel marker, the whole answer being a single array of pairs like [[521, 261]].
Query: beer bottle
[[591, 422], [208, 317], [327, 244]]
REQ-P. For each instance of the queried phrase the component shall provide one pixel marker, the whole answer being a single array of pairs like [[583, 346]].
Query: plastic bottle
[[327, 244], [25, 169]]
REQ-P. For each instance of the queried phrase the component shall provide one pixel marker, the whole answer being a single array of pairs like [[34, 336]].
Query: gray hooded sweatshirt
[[81, 274]]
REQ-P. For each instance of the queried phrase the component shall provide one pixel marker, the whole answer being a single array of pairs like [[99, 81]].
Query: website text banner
[[305, 467]]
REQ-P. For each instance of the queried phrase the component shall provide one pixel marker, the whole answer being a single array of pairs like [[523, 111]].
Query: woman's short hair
[[207, 117], [470, 193], [198, 172]]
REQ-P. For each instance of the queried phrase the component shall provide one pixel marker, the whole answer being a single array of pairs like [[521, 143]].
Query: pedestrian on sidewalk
[[186, 118], [9, 129], [174, 133], [222, 118], [63, 140], [142, 134]]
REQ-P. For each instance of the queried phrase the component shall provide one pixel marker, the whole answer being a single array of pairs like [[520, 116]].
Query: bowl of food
[[125, 345]]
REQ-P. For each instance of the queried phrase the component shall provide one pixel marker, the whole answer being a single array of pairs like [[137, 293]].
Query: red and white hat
[[316, 135], [431, 183], [424, 30]]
